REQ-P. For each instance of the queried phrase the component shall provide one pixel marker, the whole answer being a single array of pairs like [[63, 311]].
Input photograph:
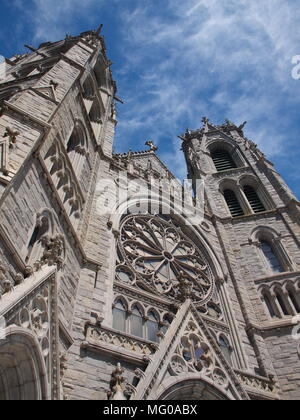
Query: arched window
[[119, 316], [282, 304], [223, 160], [271, 258], [225, 348], [254, 200], [35, 244], [233, 203], [152, 327], [269, 305], [294, 300], [136, 322]]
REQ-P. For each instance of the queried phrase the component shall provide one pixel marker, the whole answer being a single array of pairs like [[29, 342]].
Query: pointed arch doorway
[[193, 389], [22, 369]]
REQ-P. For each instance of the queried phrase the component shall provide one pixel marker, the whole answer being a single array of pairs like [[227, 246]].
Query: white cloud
[[220, 59]]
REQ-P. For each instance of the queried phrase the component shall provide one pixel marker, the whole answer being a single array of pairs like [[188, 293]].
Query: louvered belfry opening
[[222, 160], [233, 203], [254, 200]]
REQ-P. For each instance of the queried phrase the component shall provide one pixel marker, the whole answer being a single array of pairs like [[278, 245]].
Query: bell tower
[[256, 220]]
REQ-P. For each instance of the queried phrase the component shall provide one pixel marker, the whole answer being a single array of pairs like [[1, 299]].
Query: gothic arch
[[228, 146], [273, 238], [88, 88], [215, 143], [249, 180], [139, 306], [23, 373], [264, 232], [191, 387], [123, 300]]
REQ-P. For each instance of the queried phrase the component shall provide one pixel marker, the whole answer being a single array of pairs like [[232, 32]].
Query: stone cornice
[[249, 217], [273, 325], [278, 277], [234, 171], [121, 345]]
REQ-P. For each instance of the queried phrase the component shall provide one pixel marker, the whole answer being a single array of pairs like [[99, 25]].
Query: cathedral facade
[[164, 293]]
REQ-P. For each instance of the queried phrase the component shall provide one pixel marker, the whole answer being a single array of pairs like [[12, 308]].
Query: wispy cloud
[[176, 61], [52, 19], [220, 59]]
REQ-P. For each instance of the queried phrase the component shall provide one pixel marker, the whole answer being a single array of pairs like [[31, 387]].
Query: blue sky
[[176, 61]]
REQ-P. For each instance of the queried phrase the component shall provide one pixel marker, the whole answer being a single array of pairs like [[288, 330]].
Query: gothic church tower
[[256, 219], [131, 302]]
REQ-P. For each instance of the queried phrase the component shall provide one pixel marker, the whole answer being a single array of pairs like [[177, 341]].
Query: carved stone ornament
[[12, 135], [117, 385], [53, 252]]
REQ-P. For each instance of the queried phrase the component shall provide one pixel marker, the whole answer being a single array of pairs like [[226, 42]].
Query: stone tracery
[[161, 259]]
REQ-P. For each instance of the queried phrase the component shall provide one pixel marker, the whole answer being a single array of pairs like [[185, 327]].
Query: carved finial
[[185, 286], [152, 146]]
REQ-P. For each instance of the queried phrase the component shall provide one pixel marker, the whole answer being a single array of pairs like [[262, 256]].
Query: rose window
[[163, 259]]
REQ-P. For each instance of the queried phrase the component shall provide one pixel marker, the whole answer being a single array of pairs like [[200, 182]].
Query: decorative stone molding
[[145, 297], [60, 170], [258, 384], [117, 385], [97, 335], [188, 348]]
